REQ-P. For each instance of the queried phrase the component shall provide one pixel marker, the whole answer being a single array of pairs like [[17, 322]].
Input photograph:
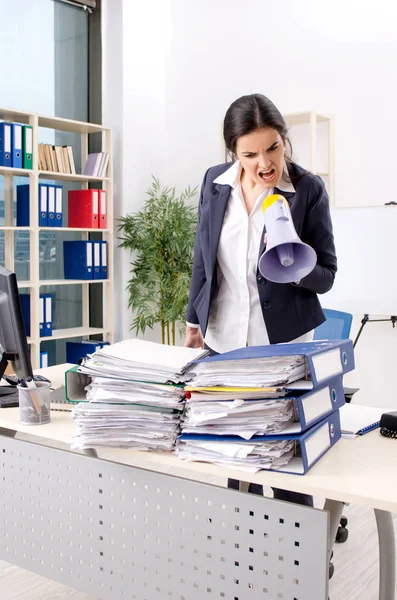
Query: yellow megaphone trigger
[[270, 200]]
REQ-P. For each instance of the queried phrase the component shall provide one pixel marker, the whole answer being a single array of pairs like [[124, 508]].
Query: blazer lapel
[[219, 200], [289, 197]]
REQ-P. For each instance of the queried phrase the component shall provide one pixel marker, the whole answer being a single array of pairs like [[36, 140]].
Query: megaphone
[[287, 258]]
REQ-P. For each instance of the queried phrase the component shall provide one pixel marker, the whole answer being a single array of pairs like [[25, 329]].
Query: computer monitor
[[13, 343]]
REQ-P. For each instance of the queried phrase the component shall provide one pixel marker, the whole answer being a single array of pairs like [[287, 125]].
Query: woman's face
[[261, 154]]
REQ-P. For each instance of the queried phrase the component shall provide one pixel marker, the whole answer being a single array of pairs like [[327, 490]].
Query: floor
[[356, 568]]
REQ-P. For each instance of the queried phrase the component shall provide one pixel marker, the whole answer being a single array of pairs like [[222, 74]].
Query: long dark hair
[[251, 112]]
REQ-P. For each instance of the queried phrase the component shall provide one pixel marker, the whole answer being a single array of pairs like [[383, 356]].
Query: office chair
[[337, 327]]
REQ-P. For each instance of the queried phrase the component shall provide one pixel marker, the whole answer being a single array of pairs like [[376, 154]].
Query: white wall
[[184, 62]]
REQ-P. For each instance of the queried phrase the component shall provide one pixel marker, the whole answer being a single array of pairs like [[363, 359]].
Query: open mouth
[[268, 175]]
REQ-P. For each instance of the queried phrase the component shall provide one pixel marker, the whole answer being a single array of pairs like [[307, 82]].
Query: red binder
[[83, 208], [102, 209]]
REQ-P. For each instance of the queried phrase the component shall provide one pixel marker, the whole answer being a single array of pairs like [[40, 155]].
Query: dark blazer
[[289, 310]]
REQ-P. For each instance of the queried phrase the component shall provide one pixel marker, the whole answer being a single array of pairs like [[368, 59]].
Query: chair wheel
[[331, 570], [343, 521], [341, 535]]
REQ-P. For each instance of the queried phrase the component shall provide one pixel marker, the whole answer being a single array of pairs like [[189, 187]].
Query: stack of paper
[[214, 393], [121, 391], [246, 456], [143, 361], [141, 427], [243, 418], [242, 398], [133, 399], [249, 372], [258, 406]]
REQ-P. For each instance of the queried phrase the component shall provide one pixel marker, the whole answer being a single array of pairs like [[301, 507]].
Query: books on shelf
[[57, 159], [96, 164]]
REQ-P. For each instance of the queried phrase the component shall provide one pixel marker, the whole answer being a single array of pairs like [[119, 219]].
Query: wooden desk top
[[361, 471]]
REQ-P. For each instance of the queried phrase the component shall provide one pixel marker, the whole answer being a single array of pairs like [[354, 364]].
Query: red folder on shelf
[[102, 209], [83, 208]]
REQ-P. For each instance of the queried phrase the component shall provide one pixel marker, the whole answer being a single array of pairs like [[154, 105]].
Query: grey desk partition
[[118, 532]]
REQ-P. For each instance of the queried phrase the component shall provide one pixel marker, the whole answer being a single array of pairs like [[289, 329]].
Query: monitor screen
[[14, 347]]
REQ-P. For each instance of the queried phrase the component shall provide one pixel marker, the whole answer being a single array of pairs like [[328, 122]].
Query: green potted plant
[[162, 235]]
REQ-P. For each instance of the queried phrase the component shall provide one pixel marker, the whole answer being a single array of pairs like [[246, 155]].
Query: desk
[[361, 471]]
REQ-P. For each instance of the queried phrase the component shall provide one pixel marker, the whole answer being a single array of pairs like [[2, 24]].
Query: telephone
[[388, 425]]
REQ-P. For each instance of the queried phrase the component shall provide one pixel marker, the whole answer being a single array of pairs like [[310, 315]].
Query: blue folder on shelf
[[23, 212], [5, 144], [104, 260], [25, 305], [41, 315], [78, 258], [97, 259], [23, 205], [58, 206], [51, 206], [324, 359], [47, 315], [16, 146], [310, 446], [43, 205], [43, 360]]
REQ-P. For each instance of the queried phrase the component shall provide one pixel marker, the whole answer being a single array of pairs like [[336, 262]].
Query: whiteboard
[[366, 249]]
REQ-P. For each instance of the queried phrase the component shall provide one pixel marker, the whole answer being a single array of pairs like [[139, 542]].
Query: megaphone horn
[[287, 258]]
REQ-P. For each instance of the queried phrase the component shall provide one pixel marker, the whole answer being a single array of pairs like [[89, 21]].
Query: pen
[[30, 384]]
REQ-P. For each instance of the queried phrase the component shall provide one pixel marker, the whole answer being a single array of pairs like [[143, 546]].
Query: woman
[[230, 303]]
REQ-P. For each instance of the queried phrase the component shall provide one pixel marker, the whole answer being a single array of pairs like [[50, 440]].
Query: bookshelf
[[312, 140], [34, 284]]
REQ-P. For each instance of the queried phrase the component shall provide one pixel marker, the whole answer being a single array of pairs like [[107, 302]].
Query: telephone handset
[[388, 425]]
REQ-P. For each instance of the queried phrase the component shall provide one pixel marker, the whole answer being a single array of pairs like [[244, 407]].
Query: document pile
[[266, 407], [143, 361], [134, 398]]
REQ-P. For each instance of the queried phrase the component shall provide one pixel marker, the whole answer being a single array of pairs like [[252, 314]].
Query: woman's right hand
[[193, 338]]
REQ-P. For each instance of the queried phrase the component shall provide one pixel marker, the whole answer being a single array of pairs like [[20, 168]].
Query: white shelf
[[318, 136], [26, 284], [15, 172], [60, 229], [19, 116], [69, 177], [81, 229], [61, 334], [70, 281], [57, 123], [70, 125], [303, 118], [14, 228], [33, 176]]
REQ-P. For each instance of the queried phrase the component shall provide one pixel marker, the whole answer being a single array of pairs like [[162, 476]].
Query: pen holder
[[34, 404]]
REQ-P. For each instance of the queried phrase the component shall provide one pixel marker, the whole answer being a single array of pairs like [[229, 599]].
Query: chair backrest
[[336, 327]]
